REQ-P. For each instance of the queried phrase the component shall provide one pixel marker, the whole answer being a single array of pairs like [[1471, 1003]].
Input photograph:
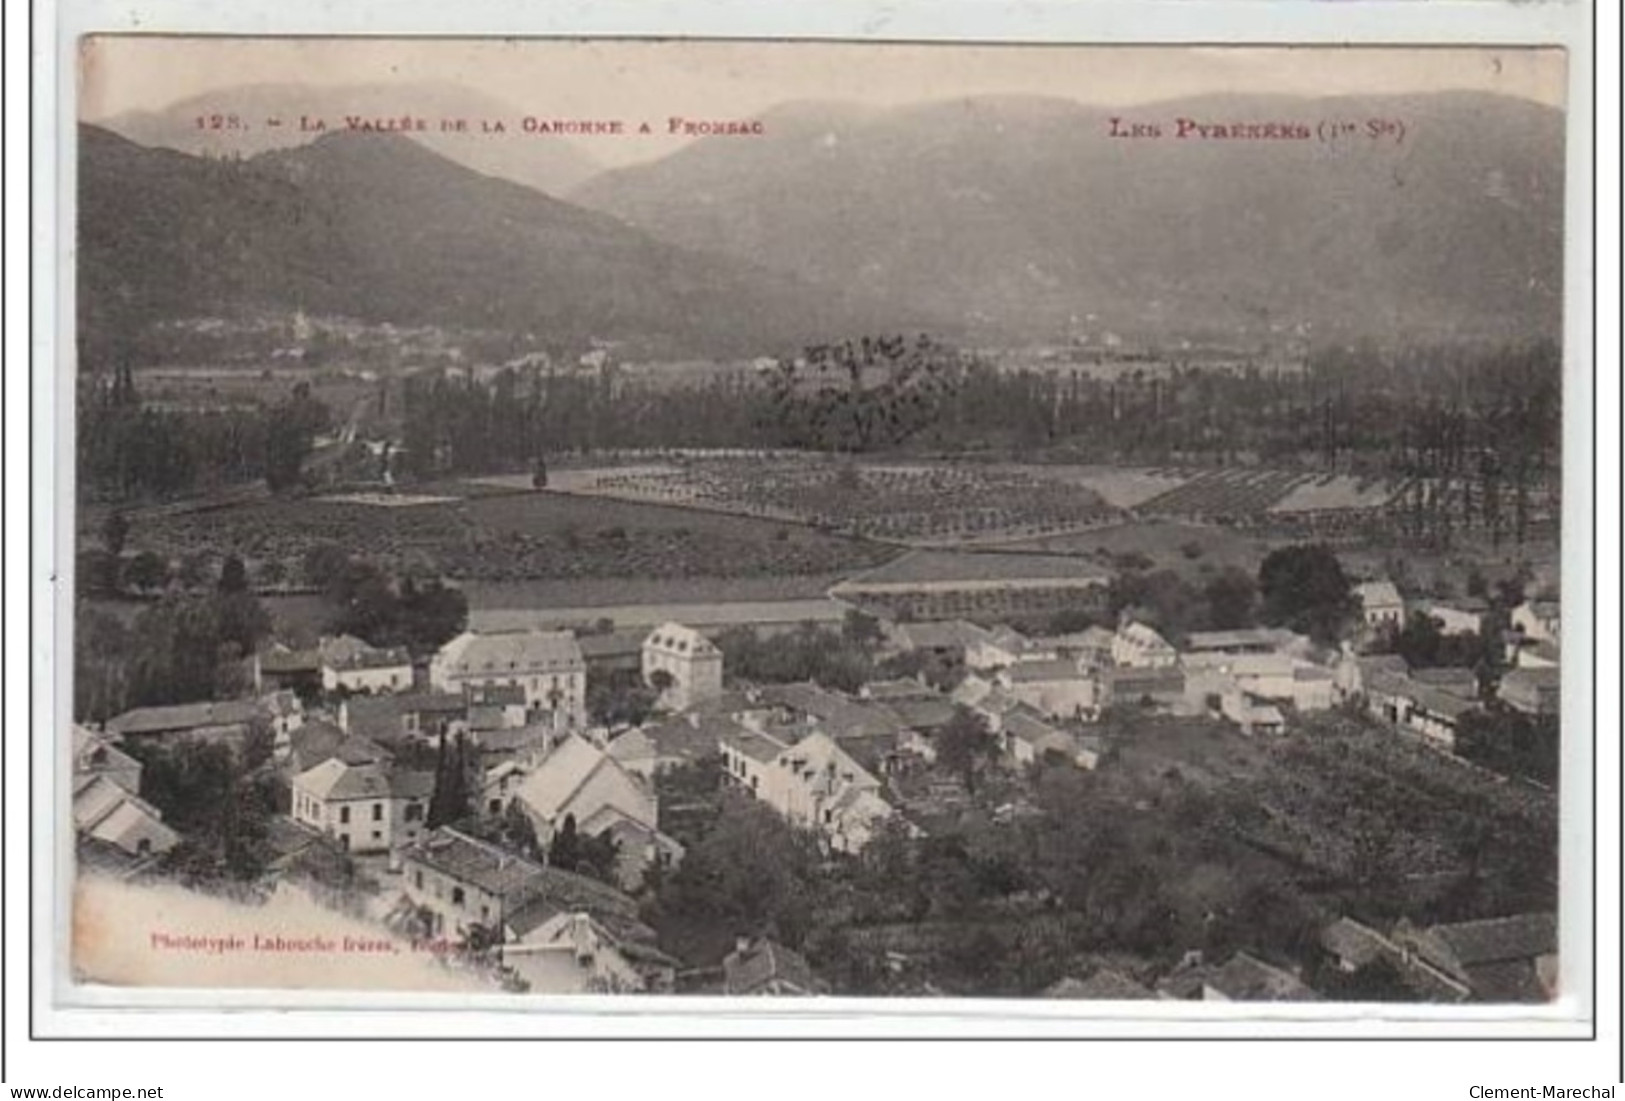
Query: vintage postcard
[[818, 519]]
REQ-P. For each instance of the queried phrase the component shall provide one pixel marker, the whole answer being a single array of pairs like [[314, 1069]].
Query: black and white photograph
[[818, 520]]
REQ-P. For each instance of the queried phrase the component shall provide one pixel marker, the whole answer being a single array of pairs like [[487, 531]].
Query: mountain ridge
[[1023, 214], [554, 166], [379, 228]]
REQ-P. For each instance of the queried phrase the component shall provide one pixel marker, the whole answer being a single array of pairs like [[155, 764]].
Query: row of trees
[[1479, 427], [129, 450], [183, 648]]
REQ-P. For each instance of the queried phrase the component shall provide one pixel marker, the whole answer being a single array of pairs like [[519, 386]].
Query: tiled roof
[[758, 747], [932, 635], [105, 811], [281, 660], [766, 963], [690, 740], [1247, 978], [186, 716], [348, 652], [1143, 637], [476, 862], [334, 779], [1549, 679], [1522, 936], [841, 716], [474, 655], [1359, 944], [1373, 594], [1029, 672], [924, 714], [94, 753], [383, 717], [678, 639], [546, 891], [1506, 981], [550, 788], [613, 644], [1037, 733]]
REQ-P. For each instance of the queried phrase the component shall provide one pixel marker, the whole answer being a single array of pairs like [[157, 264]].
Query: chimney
[[741, 945]]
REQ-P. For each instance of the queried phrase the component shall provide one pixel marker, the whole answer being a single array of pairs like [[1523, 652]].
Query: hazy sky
[[651, 79]]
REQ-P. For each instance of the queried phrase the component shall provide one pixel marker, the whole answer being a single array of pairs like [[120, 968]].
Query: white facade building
[[348, 663], [1136, 646], [1380, 605], [368, 807], [547, 665], [691, 660], [812, 782]]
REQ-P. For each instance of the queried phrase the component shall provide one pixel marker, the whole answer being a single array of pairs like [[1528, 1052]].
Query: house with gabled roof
[[580, 782], [407, 716], [805, 775], [280, 667], [351, 665], [362, 800], [1028, 739], [1381, 606], [560, 950], [762, 967], [1138, 646], [1002, 647], [1505, 959], [1353, 945], [1056, 687], [1464, 616], [944, 638], [210, 720], [94, 754], [547, 665], [670, 743], [541, 913], [1532, 691], [107, 813], [1246, 978]]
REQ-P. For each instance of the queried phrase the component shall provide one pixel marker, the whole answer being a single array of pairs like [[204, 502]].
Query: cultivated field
[[1238, 495], [922, 504], [1164, 544], [509, 537]]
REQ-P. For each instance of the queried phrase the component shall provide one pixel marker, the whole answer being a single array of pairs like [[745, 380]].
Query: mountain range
[[998, 219], [376, 227], [553, 166], [1025, 217]]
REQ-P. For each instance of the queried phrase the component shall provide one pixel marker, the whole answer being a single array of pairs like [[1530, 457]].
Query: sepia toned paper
[[818, 519]]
